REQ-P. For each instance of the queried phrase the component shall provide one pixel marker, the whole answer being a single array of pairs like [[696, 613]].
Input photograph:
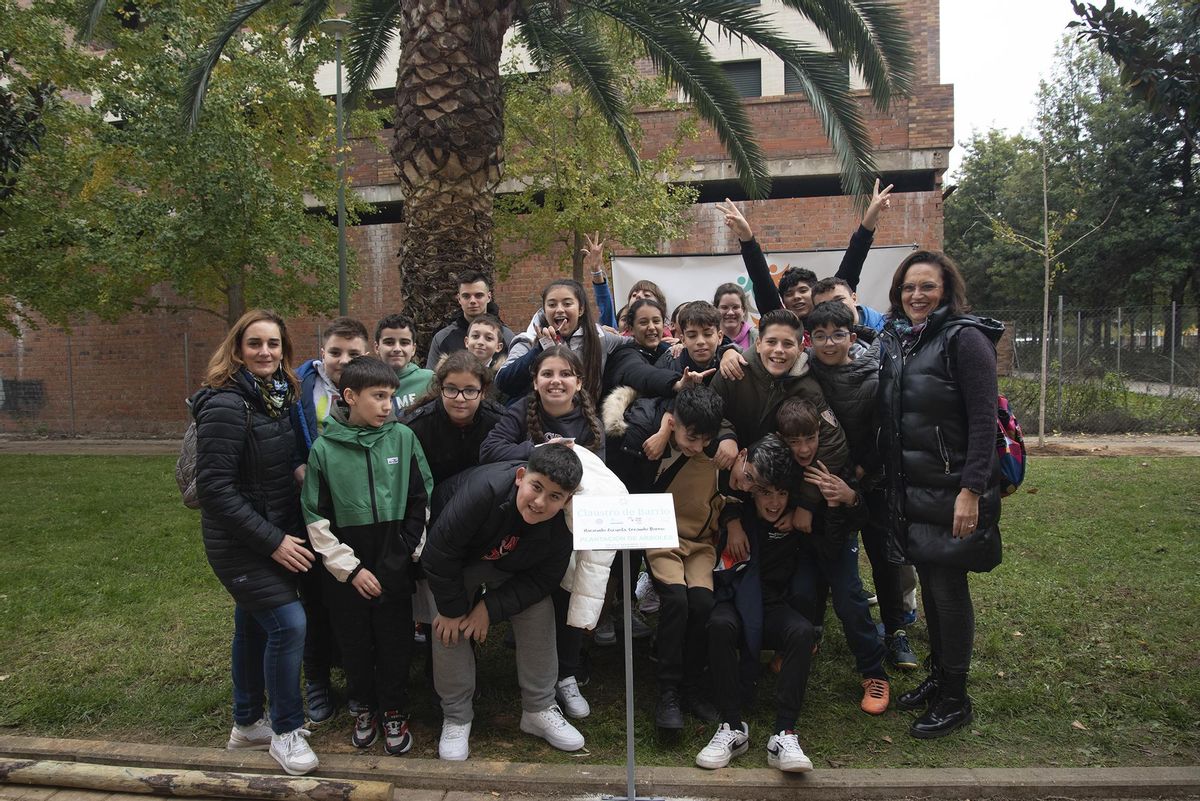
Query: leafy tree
[[994, 179], [123, 210], [21, 126], [574, 178], [449, 113], [1103, 162], [1159, 60]]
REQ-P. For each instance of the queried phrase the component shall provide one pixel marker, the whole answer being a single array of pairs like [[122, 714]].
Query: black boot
[[668, 714], [700, 707], [924, 693], [952, 709]]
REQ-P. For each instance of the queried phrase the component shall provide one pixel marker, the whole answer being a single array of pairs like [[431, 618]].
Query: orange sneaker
[[876, 695]]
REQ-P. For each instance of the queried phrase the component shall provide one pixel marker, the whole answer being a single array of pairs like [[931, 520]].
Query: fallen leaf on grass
[[887, 739], [6, 677], [1018, 634], [1075, 724], [1032, 490], [976, 732], [999, 674]]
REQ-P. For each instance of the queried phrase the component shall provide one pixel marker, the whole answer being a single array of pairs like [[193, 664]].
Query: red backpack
[[1010, 447]]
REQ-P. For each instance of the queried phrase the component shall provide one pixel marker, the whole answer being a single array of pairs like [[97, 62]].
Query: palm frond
[[686, 62], [578, 47], [873, 35], [820, 78], [373, 26], [196, 84], [310, 15], [92, 11]]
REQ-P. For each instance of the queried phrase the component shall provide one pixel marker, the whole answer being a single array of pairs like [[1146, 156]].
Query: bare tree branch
[[1095, 228]]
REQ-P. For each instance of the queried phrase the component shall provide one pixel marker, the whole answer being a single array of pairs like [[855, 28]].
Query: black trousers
[[376, 641], [885, 575], [787, 632], [682, 645], [568, 639], [320, 649], [949, 615]]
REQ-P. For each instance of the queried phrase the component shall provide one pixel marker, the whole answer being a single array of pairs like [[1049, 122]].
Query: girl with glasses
[[455, 415]]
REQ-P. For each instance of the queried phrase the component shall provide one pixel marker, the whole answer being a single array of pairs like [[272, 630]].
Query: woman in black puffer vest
[[937, 395], [249, 513]]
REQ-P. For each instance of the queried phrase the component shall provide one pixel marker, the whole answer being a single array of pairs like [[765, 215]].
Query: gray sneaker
[[605, 633], [254, 736]]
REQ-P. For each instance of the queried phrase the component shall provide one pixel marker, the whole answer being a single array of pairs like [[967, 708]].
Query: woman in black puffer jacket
[[937, 396], [249, 513]]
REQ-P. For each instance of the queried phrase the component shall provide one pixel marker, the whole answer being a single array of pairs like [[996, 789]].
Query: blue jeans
[[268, 647], [840, 572]]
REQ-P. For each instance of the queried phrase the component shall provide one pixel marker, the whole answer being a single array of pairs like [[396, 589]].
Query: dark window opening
[[746, 77], [791, 80]]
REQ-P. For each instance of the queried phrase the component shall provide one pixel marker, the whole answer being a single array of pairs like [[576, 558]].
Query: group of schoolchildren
[[437, 499]]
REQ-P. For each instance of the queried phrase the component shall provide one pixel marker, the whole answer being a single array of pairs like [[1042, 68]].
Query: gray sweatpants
[[537, 654]]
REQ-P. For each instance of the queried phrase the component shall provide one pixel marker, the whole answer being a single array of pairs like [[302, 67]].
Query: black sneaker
[[320, 701], [366, 729], [899, 652], [397, 739], [701, 708], [669, 714]]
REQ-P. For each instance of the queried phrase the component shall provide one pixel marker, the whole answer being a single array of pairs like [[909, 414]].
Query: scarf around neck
[[276, 391]]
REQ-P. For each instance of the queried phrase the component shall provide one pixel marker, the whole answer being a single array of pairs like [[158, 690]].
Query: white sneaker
[[566, 692], [455, 744], [551, 726], [784, 752], [255, 736], [647, 596], [724, 746], [293, 753]]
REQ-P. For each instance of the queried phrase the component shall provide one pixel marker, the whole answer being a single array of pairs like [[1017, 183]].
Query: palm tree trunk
[[447, 147]]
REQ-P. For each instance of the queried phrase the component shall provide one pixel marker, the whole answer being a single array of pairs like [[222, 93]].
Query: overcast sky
[[995, 53]]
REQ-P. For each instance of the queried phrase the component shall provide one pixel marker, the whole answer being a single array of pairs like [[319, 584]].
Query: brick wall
[[131, 377]]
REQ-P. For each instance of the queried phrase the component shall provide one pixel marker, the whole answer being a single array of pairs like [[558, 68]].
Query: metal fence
[[1110, 370]]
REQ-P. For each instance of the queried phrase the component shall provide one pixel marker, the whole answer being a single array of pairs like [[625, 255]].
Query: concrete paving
[[472, 780]]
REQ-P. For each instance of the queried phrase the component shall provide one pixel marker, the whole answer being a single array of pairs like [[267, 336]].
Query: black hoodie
[[452, 337]]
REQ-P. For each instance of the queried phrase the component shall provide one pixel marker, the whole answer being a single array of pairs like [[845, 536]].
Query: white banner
[[686, 278]]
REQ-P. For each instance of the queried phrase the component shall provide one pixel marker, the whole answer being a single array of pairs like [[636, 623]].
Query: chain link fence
[[1126, 369]]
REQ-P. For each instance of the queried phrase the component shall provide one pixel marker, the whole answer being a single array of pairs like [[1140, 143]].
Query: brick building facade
[[130, 378]]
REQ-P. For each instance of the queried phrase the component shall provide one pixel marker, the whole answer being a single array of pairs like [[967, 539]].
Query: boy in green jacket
[[364, 500], [395, 342]]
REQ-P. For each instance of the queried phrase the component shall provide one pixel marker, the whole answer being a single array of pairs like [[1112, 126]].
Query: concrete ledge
[[580, 780]]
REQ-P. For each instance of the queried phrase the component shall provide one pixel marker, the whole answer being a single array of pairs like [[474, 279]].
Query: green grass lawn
[[1087, 649]]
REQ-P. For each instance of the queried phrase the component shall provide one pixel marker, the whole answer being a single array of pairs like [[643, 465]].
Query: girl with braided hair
[[558, 409]]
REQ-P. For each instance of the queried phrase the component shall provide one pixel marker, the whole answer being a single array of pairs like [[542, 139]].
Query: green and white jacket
[[364, 500]]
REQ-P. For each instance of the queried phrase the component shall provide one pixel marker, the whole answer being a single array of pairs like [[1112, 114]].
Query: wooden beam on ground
[[189, 783]]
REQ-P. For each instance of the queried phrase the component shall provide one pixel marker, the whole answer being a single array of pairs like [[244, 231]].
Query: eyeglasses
[[927, 288], [755, 485], [836, 336], [470, 393]]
